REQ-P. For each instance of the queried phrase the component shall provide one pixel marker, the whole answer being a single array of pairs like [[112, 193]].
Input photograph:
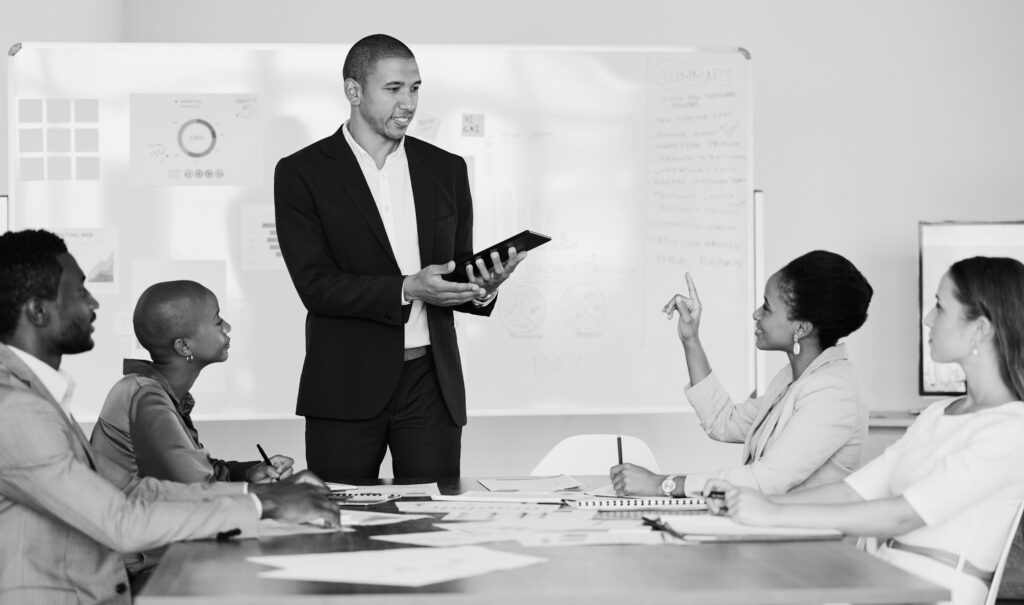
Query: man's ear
[[36, 313], [353, 91]]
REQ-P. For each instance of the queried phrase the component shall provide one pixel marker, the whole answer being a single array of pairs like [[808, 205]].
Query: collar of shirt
[[364, 156], [58, 383], [141, 367]]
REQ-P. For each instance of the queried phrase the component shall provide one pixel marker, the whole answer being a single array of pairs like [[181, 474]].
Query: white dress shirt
[[392, 192], [58, 383]]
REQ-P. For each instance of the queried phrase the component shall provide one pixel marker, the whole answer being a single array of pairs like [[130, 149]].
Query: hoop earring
[[796, 344]]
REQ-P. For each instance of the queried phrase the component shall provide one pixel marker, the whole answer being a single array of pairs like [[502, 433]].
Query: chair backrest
[[993, 589], [594, 455]]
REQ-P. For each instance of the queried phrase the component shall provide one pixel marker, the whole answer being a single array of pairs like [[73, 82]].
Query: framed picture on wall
[[939, 246]]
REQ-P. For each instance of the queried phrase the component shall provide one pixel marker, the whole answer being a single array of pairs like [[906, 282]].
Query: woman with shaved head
[[146, 425]]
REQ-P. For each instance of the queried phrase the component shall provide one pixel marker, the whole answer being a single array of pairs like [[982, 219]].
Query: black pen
[[618, 441], [657, 524], [266, 459], [716, 494]]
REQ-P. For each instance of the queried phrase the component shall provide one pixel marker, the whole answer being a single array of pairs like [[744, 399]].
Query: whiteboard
[[156, 162]]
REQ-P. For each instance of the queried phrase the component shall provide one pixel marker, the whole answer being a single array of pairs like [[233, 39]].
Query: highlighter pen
[[618, 441], [266, 459]]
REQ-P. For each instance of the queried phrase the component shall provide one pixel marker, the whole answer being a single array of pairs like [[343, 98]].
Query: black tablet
[[527, 240]]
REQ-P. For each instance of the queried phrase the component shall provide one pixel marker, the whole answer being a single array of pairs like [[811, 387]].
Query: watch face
[[668, 486]]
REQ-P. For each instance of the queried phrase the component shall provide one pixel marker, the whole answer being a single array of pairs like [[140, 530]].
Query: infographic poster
[[197, 140]]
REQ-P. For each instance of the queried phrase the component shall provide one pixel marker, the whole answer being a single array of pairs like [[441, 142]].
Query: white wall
[[869, 116]]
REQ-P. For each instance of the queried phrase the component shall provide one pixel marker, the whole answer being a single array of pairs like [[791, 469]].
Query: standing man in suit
[[369, 222], [66, 512]]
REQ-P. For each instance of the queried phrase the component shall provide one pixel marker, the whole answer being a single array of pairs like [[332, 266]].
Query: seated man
[[145, 425], [66, 512]]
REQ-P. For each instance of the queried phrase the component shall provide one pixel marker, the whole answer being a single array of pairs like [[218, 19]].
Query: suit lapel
[[422, 179], [350, 176], [22, 372], [783, 401], [771, 422], [750, 448]]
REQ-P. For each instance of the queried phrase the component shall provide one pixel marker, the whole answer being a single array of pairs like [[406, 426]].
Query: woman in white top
[[945, 494], [808, 428]]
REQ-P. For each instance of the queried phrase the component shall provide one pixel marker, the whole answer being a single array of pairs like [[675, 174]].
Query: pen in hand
[[618, 441], [266, 460]]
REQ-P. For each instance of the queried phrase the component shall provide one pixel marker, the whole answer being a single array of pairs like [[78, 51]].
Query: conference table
[[217, 572]]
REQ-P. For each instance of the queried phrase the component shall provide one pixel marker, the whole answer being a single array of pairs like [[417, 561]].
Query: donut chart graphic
[[197, 138]]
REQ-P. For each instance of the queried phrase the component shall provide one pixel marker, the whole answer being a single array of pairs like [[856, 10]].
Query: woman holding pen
[[808, 428], [145, 425], [945, 494]]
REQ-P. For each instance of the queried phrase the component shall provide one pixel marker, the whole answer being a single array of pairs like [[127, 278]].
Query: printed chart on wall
[[158, 160]]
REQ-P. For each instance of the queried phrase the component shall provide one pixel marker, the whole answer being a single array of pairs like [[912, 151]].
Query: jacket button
[[120, 588]]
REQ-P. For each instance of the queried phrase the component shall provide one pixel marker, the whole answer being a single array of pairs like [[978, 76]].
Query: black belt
[[415, 353], [946, 558]]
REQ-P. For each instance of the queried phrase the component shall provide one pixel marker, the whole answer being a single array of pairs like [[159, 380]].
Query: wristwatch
[[668, 485]]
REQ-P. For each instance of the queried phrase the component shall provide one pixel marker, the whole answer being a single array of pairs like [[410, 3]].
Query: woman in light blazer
[[809, 427]]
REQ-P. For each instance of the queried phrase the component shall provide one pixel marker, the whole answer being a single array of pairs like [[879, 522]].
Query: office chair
[[993, 589], [593, 454]]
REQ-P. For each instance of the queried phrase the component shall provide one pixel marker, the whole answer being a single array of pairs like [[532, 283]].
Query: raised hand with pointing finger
[[689, 309], [688, 327]]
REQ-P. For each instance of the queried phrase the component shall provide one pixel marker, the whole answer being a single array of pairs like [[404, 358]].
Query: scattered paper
[[420, 490], [447, 538], [482, 496], [272, 528], [713, 525], [532, 484], [360, 518], [394, 566], [555, 522], [592, 538], [474, 507]]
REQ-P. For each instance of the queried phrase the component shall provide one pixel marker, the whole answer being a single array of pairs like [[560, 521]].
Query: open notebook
[[605, 504]]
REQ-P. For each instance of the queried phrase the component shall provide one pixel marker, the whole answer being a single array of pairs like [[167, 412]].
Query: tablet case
[[526, 240]]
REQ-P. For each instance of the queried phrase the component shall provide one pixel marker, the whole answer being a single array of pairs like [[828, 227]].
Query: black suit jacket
[[345, 271]]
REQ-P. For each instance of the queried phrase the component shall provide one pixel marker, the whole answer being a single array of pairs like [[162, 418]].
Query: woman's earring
[[796, 344], [189, 358], [974, 348]]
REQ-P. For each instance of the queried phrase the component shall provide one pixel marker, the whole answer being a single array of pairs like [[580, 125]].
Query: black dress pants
[[425, 443]]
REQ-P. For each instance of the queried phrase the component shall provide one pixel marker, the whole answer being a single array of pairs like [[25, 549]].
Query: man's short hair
[[29, 268], [362, 58]]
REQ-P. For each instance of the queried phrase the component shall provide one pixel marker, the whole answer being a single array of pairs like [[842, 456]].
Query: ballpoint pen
[[266, 459], [618, 441]]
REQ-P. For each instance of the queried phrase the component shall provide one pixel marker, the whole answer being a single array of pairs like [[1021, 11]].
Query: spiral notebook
[[606, 504]]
